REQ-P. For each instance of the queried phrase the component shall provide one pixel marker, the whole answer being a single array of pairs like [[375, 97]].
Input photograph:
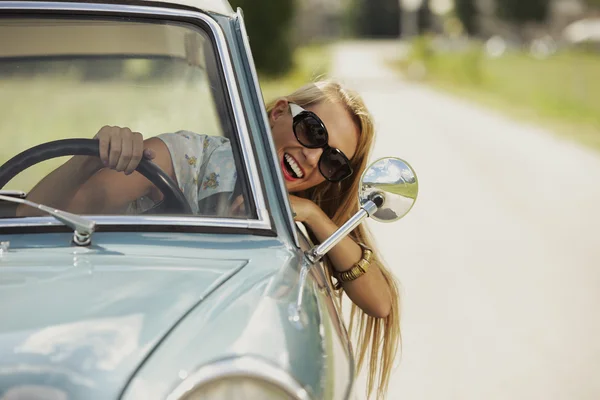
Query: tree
[[593, 3], [521, 11], [378, 18], [424, 18], [269, 30], [466, 12]]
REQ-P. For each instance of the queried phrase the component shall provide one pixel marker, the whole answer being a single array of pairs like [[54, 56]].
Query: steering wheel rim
[[174, 199]]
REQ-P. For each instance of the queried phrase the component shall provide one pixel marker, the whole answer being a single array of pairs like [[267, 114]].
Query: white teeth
[[294, 165]]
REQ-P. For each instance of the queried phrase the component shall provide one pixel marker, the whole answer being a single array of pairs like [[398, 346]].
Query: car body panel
[[255, 322], [85, 318]]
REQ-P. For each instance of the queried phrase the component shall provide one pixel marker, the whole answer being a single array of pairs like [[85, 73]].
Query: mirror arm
[[317, 252]]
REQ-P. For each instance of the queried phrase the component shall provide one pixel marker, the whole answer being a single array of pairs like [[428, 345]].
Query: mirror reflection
[[396, 182]]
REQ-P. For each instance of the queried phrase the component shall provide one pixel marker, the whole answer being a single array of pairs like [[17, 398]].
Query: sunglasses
[[310, 132]]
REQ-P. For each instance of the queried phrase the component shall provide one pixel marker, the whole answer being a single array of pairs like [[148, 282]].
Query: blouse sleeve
[[218, 171], [203, 166]]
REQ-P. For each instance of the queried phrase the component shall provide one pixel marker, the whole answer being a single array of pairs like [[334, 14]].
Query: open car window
[[68, 77]]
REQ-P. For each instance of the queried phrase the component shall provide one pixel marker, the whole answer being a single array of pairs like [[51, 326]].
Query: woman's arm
[[370, 291], [106, 184]]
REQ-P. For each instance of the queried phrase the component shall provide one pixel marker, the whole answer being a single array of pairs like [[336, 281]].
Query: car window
[[67, 78]]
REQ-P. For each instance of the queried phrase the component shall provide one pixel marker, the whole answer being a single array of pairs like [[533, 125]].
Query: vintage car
[[166, 303]]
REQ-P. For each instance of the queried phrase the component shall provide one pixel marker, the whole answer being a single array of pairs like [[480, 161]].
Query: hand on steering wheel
[[121, 149]]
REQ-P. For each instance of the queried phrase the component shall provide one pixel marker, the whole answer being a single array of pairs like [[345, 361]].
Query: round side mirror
[[391, 182]]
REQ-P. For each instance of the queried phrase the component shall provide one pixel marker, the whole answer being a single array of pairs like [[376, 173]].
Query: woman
[[323, 134]]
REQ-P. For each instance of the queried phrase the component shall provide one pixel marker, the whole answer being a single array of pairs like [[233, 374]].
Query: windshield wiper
[[82, 227]]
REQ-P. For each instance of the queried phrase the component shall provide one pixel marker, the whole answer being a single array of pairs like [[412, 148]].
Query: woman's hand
[[238, 207], [121, 149], [304, 210]]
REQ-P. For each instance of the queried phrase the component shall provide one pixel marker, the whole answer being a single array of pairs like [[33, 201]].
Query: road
[[499, 261]]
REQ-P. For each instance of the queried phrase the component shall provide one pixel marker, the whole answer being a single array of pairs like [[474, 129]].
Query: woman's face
[[343, 134]]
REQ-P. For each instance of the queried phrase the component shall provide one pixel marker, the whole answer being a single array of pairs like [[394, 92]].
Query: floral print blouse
[[203, 166]]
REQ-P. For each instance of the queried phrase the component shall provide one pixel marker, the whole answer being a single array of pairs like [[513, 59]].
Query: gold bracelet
[[358, 270]]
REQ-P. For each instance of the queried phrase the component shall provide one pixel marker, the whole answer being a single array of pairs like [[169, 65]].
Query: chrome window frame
[[243, 366], [239, 17], [263, 221]]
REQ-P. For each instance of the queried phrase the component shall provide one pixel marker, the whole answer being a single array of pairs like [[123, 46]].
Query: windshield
[[68, 78]]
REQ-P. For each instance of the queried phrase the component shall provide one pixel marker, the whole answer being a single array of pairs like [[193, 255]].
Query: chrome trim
[[136, 220], [246, 45], [244, 366], [263, 221], [316, 253]]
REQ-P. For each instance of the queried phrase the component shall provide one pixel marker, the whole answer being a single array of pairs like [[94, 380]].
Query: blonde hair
[[377, 339]]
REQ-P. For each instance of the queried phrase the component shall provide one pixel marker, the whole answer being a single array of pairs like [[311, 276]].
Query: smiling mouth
[[292, 167]]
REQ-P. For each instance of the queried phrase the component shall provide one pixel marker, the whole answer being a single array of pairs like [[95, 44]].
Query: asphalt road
[[499, 260]]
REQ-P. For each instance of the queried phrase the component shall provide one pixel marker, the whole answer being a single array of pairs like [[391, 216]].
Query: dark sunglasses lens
[[334, 165], [310, 131]]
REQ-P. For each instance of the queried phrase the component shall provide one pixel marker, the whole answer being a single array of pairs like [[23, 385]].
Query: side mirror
[[388, 191], [393, 182]]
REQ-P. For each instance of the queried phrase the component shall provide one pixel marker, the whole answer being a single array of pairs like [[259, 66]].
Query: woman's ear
[[280, 109]]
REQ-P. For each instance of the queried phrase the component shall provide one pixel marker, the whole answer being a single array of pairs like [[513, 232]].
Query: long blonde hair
[[377, 339]]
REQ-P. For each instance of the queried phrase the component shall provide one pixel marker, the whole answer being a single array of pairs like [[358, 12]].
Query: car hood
[[76, 326]]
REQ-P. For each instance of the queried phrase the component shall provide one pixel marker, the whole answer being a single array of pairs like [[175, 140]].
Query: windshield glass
[[69, 78]]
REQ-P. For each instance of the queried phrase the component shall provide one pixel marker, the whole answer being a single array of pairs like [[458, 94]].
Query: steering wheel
[[174, 201]]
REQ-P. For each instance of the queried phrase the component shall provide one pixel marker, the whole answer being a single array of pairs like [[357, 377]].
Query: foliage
[[520, 12], [269, 28], [464, 66], [350, 17], [593, 3], [466, 11], [310, 63], [378, 18], [424, 17]]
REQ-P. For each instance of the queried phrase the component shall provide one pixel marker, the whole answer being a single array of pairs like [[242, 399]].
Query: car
[[168, 302]]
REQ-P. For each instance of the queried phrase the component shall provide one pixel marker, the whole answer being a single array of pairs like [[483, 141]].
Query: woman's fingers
[[125, 154], [121, 149], [238, 207], [114, 151], [149, 154], [137, 150], [103, 137]]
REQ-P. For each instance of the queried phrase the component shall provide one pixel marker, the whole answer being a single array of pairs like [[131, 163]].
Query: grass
[[409, 191], [561, 92], [40, 110]]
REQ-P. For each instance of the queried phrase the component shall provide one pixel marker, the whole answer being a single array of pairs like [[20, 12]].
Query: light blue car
[[168, 302]]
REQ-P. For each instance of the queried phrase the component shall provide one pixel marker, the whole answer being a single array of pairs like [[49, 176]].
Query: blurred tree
[[523, 11], [466, 11], [378, 18], [269, 28], [593, 3], [350, 18], [424, 18]]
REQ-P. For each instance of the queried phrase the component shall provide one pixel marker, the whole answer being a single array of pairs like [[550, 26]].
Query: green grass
[[561, 92], [406, 190]]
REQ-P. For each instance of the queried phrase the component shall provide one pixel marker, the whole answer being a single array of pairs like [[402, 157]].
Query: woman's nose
[[312, 155]]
